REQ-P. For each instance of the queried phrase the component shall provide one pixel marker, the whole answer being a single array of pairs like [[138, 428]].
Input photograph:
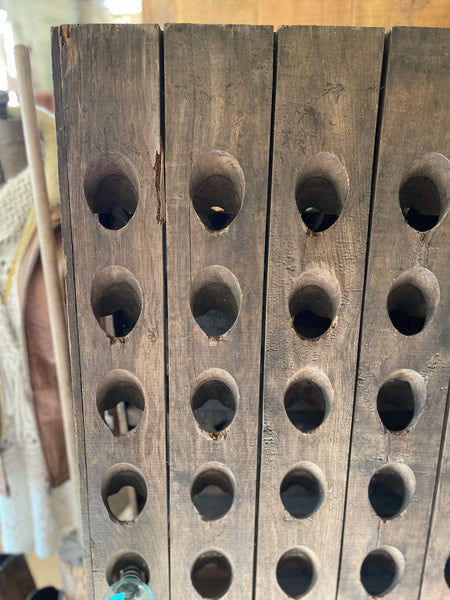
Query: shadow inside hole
[[420, 203], [396, 404], [295, 574], [387, 493], [120, 401], [115, 201], [318, 203], [124, 560], [216, 201], [311, 311], [211, 575], [214, 406], [212, 494], [124, 504], [305, 404], [407, 309], [447, 572], [301, 493], [215, 308], [379, 572], [124, 493]]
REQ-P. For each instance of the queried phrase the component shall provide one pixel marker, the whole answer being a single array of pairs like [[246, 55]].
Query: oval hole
[[391, 489], [297, 572], [120, 401], [217, 189], [215, 300], [400, 399], [124, 560], [320, 191], [420, 203], [111, 189], [211, 575], [212, 493], [447, 572], [214, 401], [381, 570], [307, 399], [116, 300], [302, 490], [313, 303], [124, 492]]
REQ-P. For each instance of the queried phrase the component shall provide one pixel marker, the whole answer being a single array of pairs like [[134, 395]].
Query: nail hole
[[297, 572], [391, 489], [215, 300], [116, 300], [447, 572], [111, 189], [123, 560], [124, 492], [302, 490], [313, 303], [381, 570], [214, 400], [308, 399], [212, 493], [400, 399], [217, 189], [412, 300], [321, 189], [423, 195], [120, 401], [211, 575]]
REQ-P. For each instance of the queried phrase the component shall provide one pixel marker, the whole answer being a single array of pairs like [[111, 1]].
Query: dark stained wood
[[414, 124], [218, 93], [107, 89], [326, 102]]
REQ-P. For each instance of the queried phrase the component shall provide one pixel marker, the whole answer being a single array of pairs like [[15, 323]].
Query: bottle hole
[[407, 309], [308, 399], [447, 572], [217, 189], [216, 300], [111, 189], [116, 300], [400, 399], [313, 303], [212, 493], [391, 489], [381, 570], [296, 572], [302, 490], [126, 559], [420, 203], [124, 493], [120, 401], [211, 575], [214, 400]]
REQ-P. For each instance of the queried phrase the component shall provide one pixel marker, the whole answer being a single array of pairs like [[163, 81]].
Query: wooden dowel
[[48, 252]]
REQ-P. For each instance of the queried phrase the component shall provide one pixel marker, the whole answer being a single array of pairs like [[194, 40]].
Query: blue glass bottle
[[129, 587]]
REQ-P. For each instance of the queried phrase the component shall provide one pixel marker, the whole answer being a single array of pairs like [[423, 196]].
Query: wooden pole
[[48, 251]]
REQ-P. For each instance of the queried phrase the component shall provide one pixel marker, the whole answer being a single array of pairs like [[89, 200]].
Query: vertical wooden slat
[[325, 118], [108, 96], [218, 93], [404, 369]]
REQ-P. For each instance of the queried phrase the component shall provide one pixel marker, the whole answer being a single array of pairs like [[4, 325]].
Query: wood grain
[[218, 94], [106, 113], [414, 123], [326, 102]]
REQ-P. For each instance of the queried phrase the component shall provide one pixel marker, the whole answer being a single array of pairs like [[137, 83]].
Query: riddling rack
[[256, 236]]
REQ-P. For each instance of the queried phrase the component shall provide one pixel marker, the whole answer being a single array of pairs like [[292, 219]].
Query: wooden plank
[[325, 118], [403, 372], [109, 127], [436, 577], [218, 91], [386, 13]]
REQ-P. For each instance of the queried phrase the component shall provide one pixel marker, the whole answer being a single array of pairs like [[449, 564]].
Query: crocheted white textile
[[35, 515]]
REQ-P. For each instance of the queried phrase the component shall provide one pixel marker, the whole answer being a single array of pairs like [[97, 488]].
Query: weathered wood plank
[[403, 373], [218, 95], [325, 118], [109, 125]]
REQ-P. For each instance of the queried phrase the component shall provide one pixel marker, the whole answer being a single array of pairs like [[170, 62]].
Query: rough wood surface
[[107, 88], [218, 94], [414, 124], [326, 102]]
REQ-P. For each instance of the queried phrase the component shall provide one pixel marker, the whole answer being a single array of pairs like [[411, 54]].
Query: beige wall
[[367, 13]]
